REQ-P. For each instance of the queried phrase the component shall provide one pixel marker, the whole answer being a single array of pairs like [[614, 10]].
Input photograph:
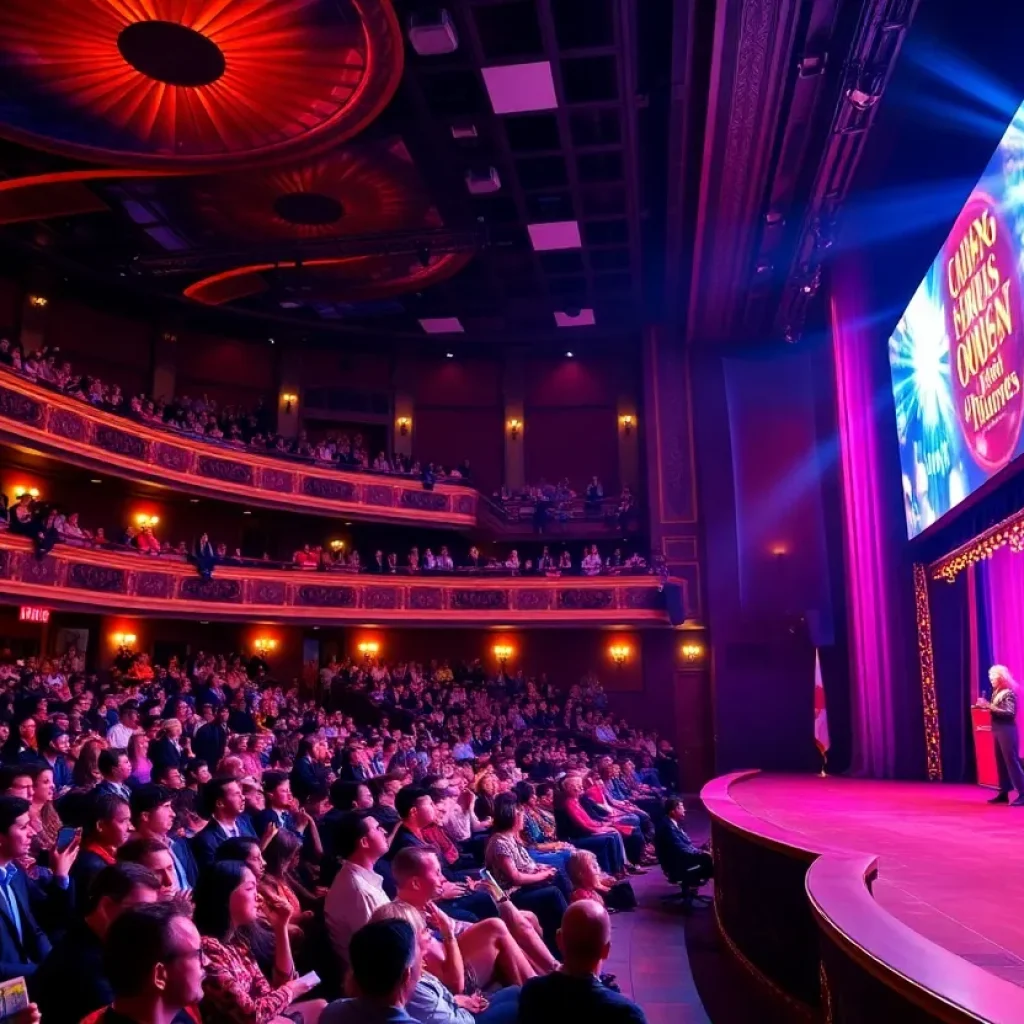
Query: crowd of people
[[204, 418], [47, 525], [194, 841], [559, 503]]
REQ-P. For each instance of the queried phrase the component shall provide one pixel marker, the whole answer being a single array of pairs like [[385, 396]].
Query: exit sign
[[29, 613]]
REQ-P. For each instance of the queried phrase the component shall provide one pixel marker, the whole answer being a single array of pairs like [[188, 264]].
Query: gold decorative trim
[[926, 656]]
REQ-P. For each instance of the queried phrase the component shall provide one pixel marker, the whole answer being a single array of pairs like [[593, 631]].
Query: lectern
[[984, 747]]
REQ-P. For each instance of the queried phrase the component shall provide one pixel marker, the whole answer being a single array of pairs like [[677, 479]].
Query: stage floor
[[949, 865]]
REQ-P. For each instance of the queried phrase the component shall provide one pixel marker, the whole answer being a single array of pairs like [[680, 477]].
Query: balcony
[[87, 579], [36, 418]]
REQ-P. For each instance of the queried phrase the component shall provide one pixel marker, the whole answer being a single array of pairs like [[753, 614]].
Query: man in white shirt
[[127, 725], [357, 890]]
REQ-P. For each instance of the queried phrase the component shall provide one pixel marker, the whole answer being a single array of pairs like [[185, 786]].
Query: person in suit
[[153, 818], [70, 980], [677, 854], [23, 943], [310, 769], [166, 749], [107, 823], [211, 739], [116, 769], [224, 806], [281, 811]]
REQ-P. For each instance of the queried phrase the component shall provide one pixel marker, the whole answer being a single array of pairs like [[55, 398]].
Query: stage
[[949, 864]]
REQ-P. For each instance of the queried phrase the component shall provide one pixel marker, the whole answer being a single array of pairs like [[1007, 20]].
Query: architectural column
[[165, 364], [289, 392], [403, 380], [513, 390], [36, 303], [671, 500], [629, 441]]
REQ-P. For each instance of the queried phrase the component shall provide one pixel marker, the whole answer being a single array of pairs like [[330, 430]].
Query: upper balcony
[[34, 417], [80, 578]]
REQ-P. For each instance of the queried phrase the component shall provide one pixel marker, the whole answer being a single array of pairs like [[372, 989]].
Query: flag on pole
[[820, 714]]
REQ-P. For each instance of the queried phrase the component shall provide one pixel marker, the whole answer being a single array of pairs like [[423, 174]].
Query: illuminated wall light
[[32, 492], [404, 423], [692, 651], [144, 520], [627, 425], [778, 550], [124, 639], [289, 401], [337, 545], [368, 648], [39, 301], [503, 652], [265, 644], [926, 658], [619, 653], [514, 426]]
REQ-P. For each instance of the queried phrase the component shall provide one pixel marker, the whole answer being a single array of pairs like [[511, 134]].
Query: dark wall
[[761, 466], [228, 370]]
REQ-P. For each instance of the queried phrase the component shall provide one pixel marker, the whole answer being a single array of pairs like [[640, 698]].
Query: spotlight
[[568, 355], [449, 355]]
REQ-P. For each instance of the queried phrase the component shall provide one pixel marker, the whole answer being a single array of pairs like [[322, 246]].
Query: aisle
[[649, 956]]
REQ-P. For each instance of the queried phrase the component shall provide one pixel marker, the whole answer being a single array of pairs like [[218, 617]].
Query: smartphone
[[65, 837], [312, 979], [492, 883]]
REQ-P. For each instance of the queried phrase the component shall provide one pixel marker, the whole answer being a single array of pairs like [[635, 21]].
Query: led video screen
[[957, 354]]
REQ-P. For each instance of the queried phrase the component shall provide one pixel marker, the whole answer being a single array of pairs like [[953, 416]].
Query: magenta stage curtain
[[885, 699]]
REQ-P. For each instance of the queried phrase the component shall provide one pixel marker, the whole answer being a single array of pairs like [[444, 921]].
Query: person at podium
[[1003, 708]]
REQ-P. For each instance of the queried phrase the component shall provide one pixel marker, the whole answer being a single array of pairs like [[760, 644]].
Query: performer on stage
[[1003, 707]]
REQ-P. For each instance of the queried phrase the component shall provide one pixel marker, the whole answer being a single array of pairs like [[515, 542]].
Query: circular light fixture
[[172, 53]]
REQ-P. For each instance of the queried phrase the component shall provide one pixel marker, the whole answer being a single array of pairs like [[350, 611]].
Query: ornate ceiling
[[298, 160]]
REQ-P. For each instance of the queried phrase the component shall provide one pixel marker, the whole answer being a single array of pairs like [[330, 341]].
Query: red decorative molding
[[86, 579], [75, 432]]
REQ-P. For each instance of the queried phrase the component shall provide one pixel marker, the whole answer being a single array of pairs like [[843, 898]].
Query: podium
[[984, 747]]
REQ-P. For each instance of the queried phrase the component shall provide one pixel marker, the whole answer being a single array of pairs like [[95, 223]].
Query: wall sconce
[[627, 425], [289, 401], [403, 425], [143, 520], [369, 648], [620, 653], [264, 644], [39, 301], [32, 492], [169, 338], [503, 652], [124, 639], [779, 550], [337, 545], [692, 651], [514, 427]]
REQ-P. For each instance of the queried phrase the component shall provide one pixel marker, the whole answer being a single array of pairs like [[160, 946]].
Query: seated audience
[[223, 807], [70, 981], [106, 824], [234, 987], [153, 818], [679, 858], [576, 991]]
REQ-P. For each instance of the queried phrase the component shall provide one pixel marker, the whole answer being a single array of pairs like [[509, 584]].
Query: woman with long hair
[[43, 820], [1003, 708], [138, 749], [86, 774], [234, 988]]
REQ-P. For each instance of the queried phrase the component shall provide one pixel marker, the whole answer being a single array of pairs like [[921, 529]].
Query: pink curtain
[[1003, 593]]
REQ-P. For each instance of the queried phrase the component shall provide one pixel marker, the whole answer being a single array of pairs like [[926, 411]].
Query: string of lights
[[1009, 532], [925, 654]]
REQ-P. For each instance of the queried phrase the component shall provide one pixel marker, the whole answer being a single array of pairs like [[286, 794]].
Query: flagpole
[[824, 761]]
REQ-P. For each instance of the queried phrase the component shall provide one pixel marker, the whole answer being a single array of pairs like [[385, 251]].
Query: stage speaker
[[674, 603]]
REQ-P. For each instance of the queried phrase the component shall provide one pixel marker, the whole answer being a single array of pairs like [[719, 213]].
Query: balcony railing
[[103, 580], [34, 416]]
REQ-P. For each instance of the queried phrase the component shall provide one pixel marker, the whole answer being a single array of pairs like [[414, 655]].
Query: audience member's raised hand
[[62, 860]]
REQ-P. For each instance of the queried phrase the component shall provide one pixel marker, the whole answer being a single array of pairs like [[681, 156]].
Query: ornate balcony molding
[[100, 581], [34, 417]]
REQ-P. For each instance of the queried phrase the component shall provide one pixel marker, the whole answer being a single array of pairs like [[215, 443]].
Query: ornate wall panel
[[74, 432], [97, 580]]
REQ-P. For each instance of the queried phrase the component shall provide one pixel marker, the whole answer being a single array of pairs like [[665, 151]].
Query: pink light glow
[[868, 592], [517, 88], [561, 234]]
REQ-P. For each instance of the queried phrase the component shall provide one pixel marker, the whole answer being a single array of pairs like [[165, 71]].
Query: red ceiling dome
[[202, 84]]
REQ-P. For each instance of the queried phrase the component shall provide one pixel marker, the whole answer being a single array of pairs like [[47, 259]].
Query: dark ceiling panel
[[509, 30], [590, 79]]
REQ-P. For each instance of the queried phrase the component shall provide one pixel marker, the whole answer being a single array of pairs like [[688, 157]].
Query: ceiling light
[[449, 355], [95, 480], [568, 355], [193, 501], [482, 183], [518, 88], [559, 234], [442, 325], [464, 131], [575, 318], [434, 35], [247, 513], [271, 341]]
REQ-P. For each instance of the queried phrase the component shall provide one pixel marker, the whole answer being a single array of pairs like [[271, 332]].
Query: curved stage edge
[[802, 918]]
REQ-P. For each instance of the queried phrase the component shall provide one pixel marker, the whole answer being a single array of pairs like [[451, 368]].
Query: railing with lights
[[73, 431], [98, 580]]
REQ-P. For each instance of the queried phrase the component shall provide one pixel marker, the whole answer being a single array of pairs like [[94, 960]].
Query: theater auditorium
[[511, 511]]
